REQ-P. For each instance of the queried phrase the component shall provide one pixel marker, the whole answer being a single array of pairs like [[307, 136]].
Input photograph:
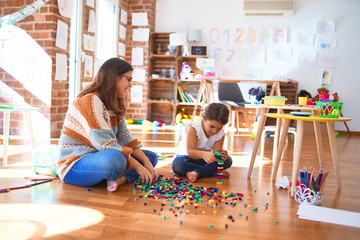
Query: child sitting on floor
[[195, 154]]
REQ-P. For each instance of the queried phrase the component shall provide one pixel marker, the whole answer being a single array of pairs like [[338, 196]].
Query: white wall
[[225, 16]]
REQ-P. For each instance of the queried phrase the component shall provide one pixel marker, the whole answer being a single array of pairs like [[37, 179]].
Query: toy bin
[[274, 100], [329, 109], [44, 159]]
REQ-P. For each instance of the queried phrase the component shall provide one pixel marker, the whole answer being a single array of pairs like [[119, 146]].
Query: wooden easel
[[205, 93]]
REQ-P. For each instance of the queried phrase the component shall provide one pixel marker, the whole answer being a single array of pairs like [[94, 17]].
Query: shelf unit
[[163, 99]]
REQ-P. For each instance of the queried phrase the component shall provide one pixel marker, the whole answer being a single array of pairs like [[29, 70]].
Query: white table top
[[5, 108]]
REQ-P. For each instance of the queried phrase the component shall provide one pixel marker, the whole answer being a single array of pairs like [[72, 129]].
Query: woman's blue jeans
[[108, 164], [183, 164]]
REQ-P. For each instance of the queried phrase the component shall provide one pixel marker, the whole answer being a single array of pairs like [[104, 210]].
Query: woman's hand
[[145, 175], [151, 169]]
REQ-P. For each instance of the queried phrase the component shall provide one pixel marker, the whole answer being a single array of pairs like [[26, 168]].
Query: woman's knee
[[116, 161]]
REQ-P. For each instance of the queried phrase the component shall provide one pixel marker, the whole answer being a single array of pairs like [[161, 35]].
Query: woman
[[95, 144]]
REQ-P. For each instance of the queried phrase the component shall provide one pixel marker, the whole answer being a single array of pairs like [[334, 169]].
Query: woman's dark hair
[[217, 112], [105, 81]]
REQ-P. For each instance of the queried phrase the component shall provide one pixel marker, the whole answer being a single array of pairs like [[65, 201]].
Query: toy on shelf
[[186, 72], [183, 117]]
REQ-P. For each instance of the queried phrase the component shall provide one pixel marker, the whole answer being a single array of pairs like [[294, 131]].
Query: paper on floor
[[329, 215]]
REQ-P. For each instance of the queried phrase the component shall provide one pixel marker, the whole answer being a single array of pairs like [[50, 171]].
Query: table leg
[[27, 116], [319, 145], [276, 136], [331, 134], [283, 133], [262, 120], [6, 127], [297, 151]]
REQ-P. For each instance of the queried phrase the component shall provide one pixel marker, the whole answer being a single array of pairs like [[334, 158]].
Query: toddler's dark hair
[[217, 112]]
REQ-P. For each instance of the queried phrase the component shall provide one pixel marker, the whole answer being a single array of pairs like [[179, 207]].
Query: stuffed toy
[[321, 90], [334, 97], [186, 72]]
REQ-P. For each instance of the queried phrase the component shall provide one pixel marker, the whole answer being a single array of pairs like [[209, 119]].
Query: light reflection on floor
[[44, 220]]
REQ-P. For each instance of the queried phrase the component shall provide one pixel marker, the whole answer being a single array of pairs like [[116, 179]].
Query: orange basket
[[329, 109]]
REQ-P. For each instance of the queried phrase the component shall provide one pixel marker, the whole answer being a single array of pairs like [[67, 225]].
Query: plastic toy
[[186, 72], [220, 168]]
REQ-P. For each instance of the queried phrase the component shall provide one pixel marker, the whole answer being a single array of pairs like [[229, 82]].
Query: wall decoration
[[137, 56], [123, 16], [61, 67], [326, 77], [139, 19], [89, 42], [88, 66], [61, 35], [325, 27], [66, 7]]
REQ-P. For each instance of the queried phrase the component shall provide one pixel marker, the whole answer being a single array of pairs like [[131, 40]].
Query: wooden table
[[297, 147], [264, 109], [6, 126]]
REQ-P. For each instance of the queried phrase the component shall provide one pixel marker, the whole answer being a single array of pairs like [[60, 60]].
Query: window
[[107, 31]]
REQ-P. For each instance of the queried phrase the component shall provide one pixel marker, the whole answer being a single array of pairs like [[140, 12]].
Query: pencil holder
[[307, 196]]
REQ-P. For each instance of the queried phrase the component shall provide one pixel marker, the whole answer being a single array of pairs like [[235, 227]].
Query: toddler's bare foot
[[192, 176], [113, 185], [226, 174]]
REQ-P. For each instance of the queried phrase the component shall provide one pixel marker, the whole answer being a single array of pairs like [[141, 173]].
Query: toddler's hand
[[209, 157], [224, 154]]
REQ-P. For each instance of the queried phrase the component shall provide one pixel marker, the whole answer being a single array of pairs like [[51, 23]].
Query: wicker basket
[[329, 109]]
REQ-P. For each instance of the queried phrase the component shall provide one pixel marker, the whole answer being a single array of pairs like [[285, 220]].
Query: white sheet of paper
[[91, 25], [122, 49], [123, 16], [139, 74], [66, 7], [61, 67], [328, 60], [141, 34], [140, 19], [88, 66], [177, 39], [137, 57], [89, 42], [122, 32], [90, 3], [137, 94], [61, 35], [323, 26], [329, 215]]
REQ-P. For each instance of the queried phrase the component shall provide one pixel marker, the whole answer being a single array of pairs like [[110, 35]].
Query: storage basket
[[329, 109], [274, 100], [44, 159]]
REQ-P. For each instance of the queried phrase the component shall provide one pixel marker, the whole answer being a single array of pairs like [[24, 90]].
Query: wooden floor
[[60, 211]]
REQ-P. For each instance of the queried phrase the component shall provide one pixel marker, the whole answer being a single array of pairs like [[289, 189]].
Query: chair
[[230, 94], [268, 129]]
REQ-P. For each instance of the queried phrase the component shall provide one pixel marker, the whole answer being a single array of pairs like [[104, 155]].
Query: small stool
[[271, 129]]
